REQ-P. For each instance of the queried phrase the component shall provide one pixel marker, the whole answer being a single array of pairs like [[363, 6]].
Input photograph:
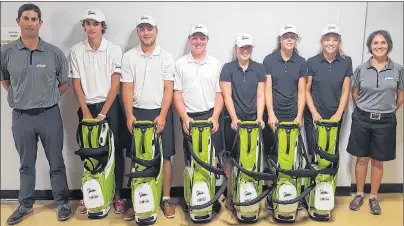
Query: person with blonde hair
[[242, 82], [328, 82]]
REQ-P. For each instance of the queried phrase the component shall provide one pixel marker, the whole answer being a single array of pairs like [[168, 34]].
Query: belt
[[34, 111], [374, 115]]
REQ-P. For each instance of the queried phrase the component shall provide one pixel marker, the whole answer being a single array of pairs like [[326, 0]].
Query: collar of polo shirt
[[102, 48], [39, 47], [292, 58], [191, 59], [156, 51], [390, 64], [250, 67], [337, 57]]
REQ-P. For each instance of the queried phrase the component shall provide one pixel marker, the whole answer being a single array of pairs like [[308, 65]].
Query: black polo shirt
[[244, 87], [327, 81], [285, 80]]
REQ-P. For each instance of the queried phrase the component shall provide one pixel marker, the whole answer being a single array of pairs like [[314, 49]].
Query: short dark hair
[[32, 7], [386, 36]]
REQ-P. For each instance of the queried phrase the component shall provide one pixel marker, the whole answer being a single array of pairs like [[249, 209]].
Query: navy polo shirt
[[285, 77], [327, 81], [244, 87]]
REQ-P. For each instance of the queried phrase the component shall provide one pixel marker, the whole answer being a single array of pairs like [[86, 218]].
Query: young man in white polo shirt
[[95, 68], [147, 88], [197, 92]]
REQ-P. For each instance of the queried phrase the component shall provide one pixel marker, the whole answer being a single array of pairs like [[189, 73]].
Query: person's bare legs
[[361, 168], [166, 205], [376, 179]]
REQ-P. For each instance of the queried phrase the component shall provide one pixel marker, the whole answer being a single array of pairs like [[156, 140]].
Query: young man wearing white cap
[[147, 87], [328, 82], [242, 82], [95, 68], [197, 93]]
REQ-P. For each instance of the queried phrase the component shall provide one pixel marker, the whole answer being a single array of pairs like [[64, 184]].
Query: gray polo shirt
[[34, 75], [327, 81], [378, 90], [244, 87], [285, 79]]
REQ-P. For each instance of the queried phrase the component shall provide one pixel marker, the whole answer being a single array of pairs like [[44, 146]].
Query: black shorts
[[217, 136], [374, 138], [167, 135]]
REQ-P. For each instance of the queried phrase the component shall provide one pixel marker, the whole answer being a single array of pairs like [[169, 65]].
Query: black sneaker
[[64, 212], [19, 214]]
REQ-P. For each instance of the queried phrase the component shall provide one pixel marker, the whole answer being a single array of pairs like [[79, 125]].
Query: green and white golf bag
[[291, 166], [200, 174], [249, 172], [145, 177], [97, 150], [321, 200]]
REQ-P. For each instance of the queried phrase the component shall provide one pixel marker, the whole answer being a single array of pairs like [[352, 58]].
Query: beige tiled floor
[[392, 206]]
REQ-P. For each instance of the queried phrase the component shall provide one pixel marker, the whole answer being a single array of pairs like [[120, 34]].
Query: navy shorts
[[372, 136]]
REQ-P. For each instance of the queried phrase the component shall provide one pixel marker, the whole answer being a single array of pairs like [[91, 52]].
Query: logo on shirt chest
[[41, 65]]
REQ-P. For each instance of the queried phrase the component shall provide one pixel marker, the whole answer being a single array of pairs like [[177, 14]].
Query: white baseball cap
[[244, 39], [199, 28], [146, 19], [288, 28], [94, 14], [331, 28]]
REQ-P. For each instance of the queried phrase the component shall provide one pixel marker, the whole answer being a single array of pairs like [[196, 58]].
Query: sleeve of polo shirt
[[126, 74], [218, 90], [177, 77], [63, 67], [356, 78], [349, 70], [4, 75], [267, 66], [73, 64], [225, 75], [168, 73], [309, 64], [261, 74], [401, 78], [303, 72], [117, 60]]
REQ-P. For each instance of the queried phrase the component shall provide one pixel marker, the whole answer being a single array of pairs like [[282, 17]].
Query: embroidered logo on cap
[[286, 27], [331, 27], [91, 13], [197, 26], [144, 18], [245, 37]]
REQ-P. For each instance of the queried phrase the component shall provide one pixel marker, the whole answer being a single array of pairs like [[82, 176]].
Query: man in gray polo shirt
[[34, 73]]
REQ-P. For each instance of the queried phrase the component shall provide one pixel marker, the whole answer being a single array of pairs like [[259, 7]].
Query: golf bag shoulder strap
[[150, 169], [297, 199], [98, 152], [219, 170]]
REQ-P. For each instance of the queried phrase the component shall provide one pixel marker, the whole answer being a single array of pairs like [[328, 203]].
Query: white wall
[[225, 20]]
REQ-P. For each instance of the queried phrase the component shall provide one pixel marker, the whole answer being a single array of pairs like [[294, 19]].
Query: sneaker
[[120, 206], [356, 203], [129, 214], [374, 206], [64, 212], [168, 208], [19, 214], [81, 208]]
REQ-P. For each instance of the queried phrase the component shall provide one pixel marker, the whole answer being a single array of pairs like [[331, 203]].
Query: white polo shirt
[[95, 68], [148, 74], [199, 82]]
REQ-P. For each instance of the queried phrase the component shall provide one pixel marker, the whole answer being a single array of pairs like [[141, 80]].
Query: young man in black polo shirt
[[34, 73]]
